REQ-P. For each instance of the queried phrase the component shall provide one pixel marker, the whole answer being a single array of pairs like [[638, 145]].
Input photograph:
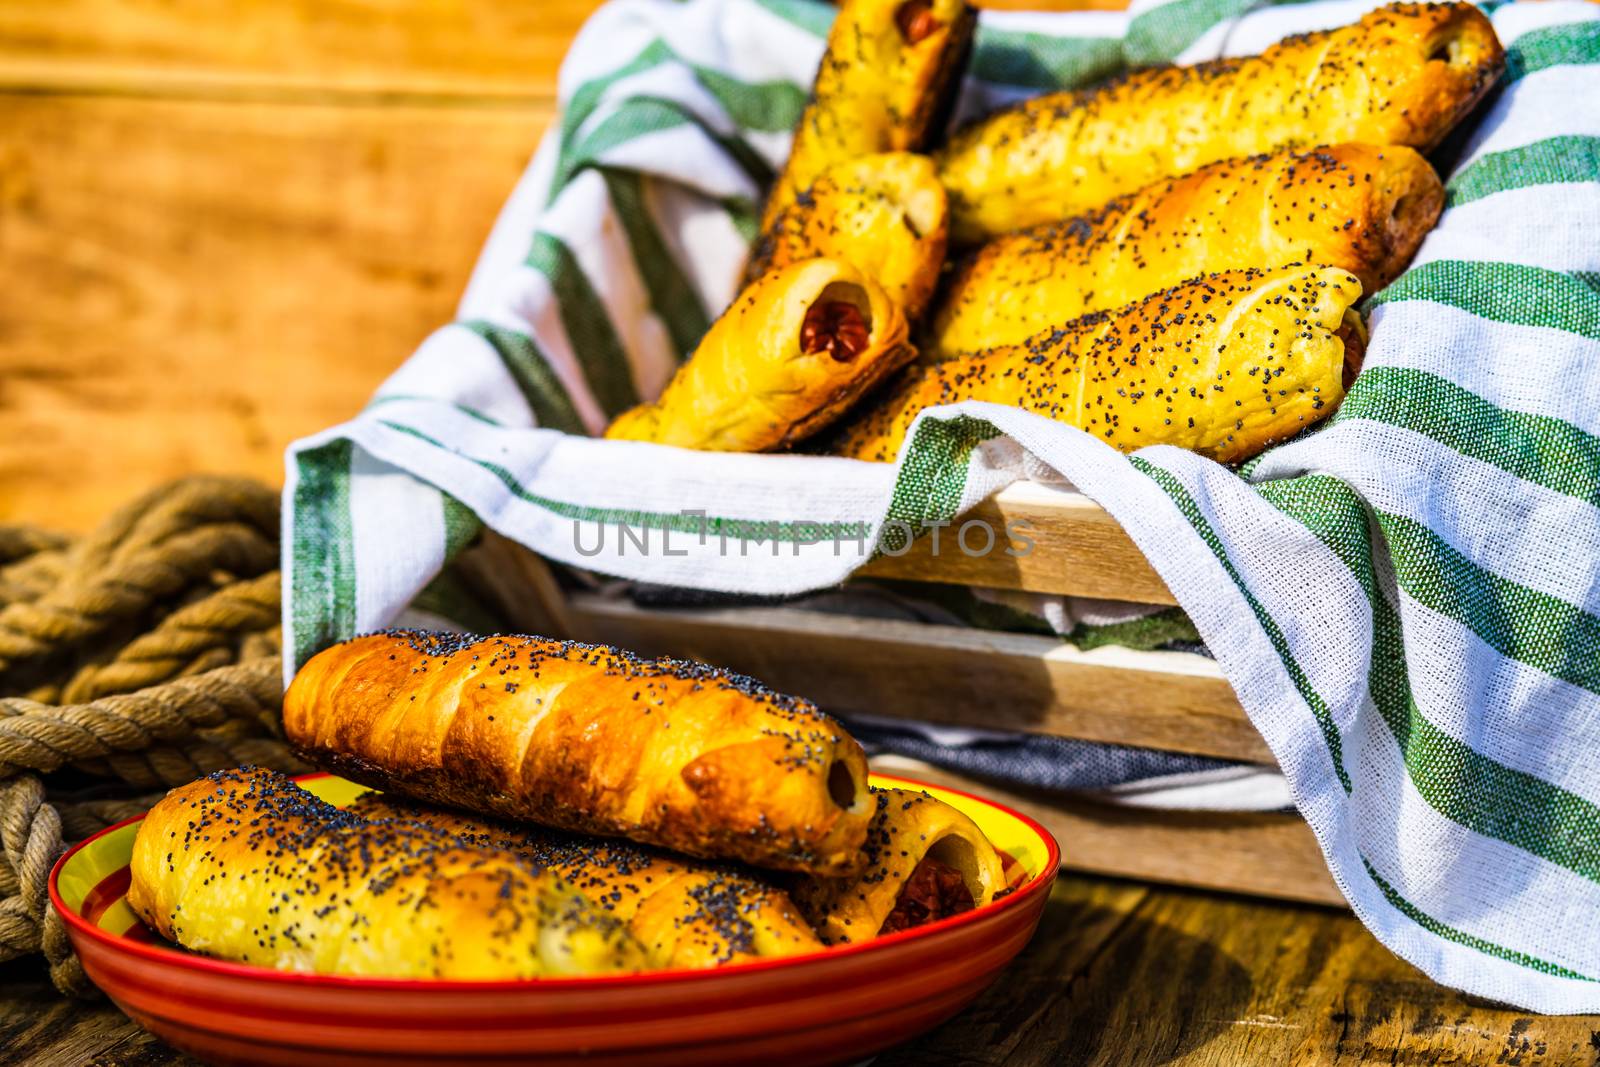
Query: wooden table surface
[[221, 225], [1119, 974]]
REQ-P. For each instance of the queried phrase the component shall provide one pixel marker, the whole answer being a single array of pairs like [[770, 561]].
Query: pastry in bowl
[[589, 739], [686, 912], [926, 861], [248, 866]]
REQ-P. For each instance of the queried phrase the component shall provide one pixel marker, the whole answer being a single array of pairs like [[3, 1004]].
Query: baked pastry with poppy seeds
[[590, 739], [1223, 365], [885, 213], [1363, 208], [885, 84], [246, 865], [1403, 75], [926, 861], [687, 913], [794, 351]]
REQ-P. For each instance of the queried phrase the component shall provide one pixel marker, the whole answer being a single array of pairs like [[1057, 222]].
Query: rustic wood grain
[[461, 49], [38, 1026], [1046, 540], [220, 230], [1202, 980], [190, 285]]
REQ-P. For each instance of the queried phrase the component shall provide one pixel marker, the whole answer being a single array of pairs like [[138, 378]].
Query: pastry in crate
[[1362, 208], [1403, 75]]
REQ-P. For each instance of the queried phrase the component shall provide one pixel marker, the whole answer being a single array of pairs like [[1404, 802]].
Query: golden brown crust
[[687, 913], [589, 739], [794, 351], [1403, 75], [907, 827], [885, 213], [1223, 365], [884, 81], [1362, 208], [245, 865]]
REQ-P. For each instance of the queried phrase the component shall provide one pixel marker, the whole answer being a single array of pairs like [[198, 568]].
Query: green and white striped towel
[[1407, 603]]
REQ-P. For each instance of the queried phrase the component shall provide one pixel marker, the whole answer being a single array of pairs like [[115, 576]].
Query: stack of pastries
[[1172, 257], [548, 809]]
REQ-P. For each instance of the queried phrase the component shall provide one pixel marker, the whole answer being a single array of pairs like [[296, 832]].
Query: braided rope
[[82, 818], [18, 542], [148, 702], [262, 643], [200, 629], [166, 766], [30, 838], [74, 611], [44, 737], [178, 508], [119, 728], [208, 660], [32, 576]]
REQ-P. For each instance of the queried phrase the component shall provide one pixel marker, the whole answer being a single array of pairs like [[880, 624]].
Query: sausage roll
[[925, 861], [793, 352], [246, 865], [590, 739], [884, 213], [1403, 75], [686, 913], [1358, 207], [884, 85], [1224, 365]]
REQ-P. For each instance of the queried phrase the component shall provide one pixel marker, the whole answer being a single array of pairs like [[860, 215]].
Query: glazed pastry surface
[[887, 214], [925, 861], [589, 739], [883, 85]]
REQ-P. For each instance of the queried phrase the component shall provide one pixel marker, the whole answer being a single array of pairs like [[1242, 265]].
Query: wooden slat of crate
[[1078, 550], [1164, 700], [1169, 700], [1267, 854]]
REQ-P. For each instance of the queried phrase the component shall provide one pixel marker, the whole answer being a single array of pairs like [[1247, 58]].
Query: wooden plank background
[[222, 225]]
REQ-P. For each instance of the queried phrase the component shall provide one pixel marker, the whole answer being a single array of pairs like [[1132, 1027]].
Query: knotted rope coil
[[136, 658]]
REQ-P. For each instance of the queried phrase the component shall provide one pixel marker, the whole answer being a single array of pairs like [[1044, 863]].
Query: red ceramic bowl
[[834, 1006]]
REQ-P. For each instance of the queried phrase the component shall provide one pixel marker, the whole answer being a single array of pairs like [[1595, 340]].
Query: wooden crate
[[1262, 854], [1174, 701]]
